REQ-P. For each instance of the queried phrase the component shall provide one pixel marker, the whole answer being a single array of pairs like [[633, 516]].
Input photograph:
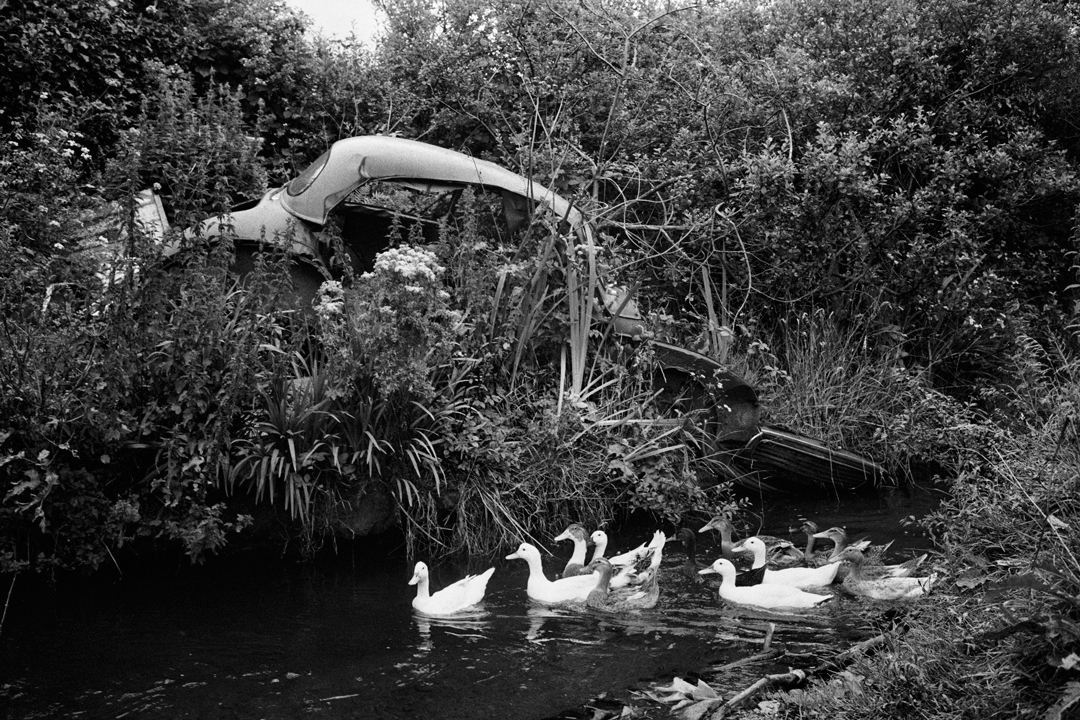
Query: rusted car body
[[361, 182]]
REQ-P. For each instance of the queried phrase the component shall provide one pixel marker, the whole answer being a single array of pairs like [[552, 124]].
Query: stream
[[266, 640]]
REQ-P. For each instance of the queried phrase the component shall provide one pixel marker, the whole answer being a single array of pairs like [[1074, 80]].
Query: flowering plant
[[397, 322]]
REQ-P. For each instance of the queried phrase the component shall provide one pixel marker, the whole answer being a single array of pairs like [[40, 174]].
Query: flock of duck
[[780, 575]]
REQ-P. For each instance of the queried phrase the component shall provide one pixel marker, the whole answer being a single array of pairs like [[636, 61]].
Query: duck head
[[525, 551], [720, 567], [420, 572], [689, 540], [720, 523], [574, 532], [854, 556], [837, 534], [602, 567], [755, 546]]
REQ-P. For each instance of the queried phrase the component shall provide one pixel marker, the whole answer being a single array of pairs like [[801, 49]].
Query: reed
[[999, 636]]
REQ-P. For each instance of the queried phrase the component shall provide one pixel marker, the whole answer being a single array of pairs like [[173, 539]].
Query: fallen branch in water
[[766, 653], [796, 677]]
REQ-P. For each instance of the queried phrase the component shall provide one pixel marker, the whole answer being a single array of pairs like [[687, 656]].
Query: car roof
[[353, 161]]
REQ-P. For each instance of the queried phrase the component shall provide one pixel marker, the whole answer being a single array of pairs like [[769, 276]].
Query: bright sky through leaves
[[335, 18]]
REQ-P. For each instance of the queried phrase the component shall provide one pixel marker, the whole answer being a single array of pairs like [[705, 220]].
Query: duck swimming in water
[[872, 556], [576, 564], [841, 542], [452, 599], [799, 577], [689, 568], [552, 592], [881, 588], [763, 596], [638, 597], [645, 562], [722, 525]]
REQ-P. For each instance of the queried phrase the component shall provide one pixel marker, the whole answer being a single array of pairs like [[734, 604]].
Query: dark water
[[266, 641]]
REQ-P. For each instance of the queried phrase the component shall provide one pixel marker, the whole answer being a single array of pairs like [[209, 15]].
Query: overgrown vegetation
[[869, 210]]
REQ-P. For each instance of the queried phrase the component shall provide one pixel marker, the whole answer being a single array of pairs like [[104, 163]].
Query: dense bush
[[869, 217]]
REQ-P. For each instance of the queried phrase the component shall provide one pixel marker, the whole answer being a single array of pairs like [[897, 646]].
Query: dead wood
[[797, 677]]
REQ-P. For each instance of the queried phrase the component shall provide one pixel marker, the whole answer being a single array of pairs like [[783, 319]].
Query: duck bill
[[740, 547], [513, 556], [823, 535], [415, 579], [707, 571], [564, 535]]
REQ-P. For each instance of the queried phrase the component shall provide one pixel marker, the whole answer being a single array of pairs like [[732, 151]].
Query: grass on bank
[[1000, 636]]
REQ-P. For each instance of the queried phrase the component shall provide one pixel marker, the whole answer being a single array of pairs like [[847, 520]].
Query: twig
[[8, 601], [760, 657], [795, 677]]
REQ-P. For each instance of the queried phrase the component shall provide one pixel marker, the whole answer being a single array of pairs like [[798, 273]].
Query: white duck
[[552, 592], [631, 557], [763, 596], [576, 564], [799, 577], [453, 598], [645, 564]]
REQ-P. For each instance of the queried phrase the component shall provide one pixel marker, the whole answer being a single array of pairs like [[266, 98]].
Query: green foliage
[[196, 151]]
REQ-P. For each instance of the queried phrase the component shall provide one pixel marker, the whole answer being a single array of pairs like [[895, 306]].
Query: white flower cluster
[[331, 302], [409, 262]]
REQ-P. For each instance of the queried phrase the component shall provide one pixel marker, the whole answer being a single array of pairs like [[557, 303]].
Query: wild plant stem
[[8, 601]]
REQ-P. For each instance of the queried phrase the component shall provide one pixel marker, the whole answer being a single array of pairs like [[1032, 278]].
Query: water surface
[[267, 640]]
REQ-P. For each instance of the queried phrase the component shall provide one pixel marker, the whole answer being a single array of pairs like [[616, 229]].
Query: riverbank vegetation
[[868, 210]]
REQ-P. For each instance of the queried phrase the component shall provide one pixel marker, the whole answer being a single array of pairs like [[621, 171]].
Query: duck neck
[[536, 569], [725, 543], [604, 583], [840, 542], [600, 549], [422, 589], [810, 540], [759, 557], [580, 551]]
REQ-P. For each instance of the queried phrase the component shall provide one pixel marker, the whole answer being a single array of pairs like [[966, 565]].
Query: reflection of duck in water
[[763, 596], [471, 624], [576, 564], [455, 598], [551, 592]]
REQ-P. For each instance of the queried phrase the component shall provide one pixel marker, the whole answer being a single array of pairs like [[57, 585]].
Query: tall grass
[[853, 388], [1001, 635]]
